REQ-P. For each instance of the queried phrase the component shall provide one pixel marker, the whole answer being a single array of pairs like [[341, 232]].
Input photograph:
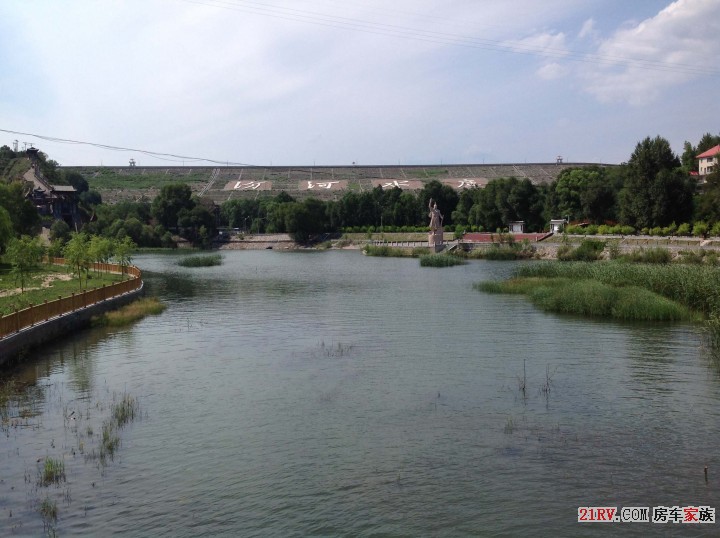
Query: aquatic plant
[[53, 472], [48, 510], [124, 411], [207, 260], [131, 312], [696, 287], [440, 260]]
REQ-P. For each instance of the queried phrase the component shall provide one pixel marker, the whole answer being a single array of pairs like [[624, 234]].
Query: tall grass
[[440, 260], [650, 255], [53, 472], [207, 260], [386, 251], [592, 298], [131, 312], [696, 287]]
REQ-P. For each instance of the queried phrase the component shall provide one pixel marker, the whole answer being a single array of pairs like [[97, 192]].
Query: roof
[[63, 188], [709, 153]]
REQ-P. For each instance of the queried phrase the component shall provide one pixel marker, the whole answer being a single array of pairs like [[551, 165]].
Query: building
[[708, 160]]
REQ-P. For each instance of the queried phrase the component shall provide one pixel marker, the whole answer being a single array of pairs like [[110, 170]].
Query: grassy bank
[[46, 283]]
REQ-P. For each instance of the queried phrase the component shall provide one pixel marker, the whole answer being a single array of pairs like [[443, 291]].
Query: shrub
[[683, 229], [700, 229], [627, 230], [715, 230], [589, 250]]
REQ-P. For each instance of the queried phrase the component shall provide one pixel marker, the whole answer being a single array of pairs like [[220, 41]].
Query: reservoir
[[333, 394]]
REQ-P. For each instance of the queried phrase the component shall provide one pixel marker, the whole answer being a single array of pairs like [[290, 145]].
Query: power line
[[453, 39], [158, 155]]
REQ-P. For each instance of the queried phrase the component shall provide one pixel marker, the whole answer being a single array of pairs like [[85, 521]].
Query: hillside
[[326, 182]]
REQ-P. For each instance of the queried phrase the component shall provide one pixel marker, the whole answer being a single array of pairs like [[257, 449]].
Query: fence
[[34, 314]]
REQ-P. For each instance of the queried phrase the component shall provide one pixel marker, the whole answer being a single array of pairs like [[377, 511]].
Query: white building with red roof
[[708, 160]]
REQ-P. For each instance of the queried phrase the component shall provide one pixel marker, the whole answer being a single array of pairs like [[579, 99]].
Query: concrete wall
[[14, 347]]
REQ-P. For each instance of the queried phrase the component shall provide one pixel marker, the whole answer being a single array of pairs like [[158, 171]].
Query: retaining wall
[[15, 346]]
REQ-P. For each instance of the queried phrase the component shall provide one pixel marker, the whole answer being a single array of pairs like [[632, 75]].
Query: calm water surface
[[295, 394]]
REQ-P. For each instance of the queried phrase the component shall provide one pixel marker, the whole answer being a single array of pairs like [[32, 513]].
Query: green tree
[[24, 216], [6, 228], [60, 230], [644, 184], [77, 254], [24, 255], [123, 251], [172, 199]]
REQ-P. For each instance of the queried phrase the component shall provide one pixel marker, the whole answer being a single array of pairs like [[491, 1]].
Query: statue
[[436, 217], [435, 237]]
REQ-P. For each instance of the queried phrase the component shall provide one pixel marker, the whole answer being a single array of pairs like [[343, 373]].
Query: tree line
[[653, 192]]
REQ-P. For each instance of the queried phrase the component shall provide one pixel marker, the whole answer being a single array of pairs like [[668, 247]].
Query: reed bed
[[593, 298], [440, 260], [130, 313], [695, 287], [207, 260], [385, 251]]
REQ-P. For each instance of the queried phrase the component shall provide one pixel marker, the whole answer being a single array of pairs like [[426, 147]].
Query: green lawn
[[45, 283]]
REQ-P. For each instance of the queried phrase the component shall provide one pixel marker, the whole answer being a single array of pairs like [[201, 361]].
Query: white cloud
[[641, 61], [588, 30], [552, 71]]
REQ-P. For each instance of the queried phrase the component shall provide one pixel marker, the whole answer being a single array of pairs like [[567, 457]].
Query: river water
[[332, 394]]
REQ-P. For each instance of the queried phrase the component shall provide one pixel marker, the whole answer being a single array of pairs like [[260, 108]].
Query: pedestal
[[435, 239]]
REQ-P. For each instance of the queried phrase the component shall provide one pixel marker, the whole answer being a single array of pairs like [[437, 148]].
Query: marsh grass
[[124, 410], [48, 510], [440, 260], [695, 287], [130, 313], [643, 292], [385, 251], [649, 255], [207, 260], [335, 350], [53, 472]]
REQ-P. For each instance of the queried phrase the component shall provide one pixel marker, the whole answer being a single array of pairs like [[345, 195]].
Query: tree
[[172, 199], [77, 254], [24, 216], [24, 254], [123, 251], [6, 228], [60, 230], [643, 199]]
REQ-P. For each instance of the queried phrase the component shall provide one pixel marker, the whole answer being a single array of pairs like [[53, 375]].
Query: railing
[[34, 314]]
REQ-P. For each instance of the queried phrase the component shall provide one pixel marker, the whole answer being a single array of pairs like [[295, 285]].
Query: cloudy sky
[[332, 82]]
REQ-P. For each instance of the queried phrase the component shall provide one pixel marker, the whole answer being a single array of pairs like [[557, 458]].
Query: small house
[[557, 225], [708, 160], [516, 227]]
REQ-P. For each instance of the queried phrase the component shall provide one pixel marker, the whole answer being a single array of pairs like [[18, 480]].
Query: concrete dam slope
[[220, 184]]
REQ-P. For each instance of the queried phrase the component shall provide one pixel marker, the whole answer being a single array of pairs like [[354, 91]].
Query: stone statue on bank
[[435, 236]]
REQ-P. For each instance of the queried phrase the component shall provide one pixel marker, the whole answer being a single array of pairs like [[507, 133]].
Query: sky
[[370, 82]]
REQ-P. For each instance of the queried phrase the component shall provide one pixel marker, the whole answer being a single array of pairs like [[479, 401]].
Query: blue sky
[[328, 82]]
